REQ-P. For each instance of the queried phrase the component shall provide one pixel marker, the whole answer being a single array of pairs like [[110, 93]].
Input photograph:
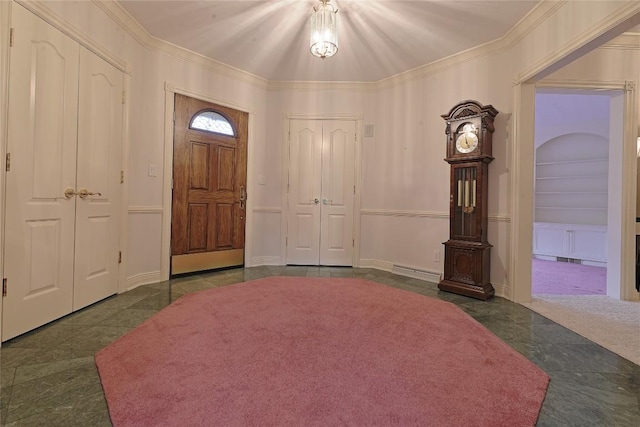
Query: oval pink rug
[[316, 352]]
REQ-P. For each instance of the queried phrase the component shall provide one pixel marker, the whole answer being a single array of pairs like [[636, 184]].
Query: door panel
[[338, 180], [209, 180], [65, 131], [305, 168], [98, 171], [39, 220], [321, 192]]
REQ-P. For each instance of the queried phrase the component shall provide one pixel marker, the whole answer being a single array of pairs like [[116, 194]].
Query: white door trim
[[5, 25], [521, 189], [286, 118], [165, 251]]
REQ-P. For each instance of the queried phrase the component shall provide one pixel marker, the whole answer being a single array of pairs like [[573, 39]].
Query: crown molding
[[527, 24], [590, 85], [627, 41], [40, 9], [118, 14], [539, 14], [580, 41]]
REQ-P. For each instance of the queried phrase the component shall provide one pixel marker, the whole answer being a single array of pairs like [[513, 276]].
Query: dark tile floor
[[49, 378]]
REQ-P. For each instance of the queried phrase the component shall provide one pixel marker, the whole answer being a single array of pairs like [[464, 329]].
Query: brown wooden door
[[209, 186]]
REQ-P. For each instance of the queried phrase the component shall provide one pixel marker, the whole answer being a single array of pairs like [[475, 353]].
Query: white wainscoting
[[425, 214], [497, 236], [400, 213], [587, 243], [400, 269], [144, 242], [265, 260], [145, 209]]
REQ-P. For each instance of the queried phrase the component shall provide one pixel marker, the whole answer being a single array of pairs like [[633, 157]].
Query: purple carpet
[[563, 278], [286, 351]]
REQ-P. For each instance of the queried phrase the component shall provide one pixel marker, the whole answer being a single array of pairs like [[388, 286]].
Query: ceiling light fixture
[[324, 30]]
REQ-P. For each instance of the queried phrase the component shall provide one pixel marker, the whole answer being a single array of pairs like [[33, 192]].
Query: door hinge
[[11, 37], [121, 177], [120, 257], [174, 116], [286, 241], [4, 287], [353, 243], [8, 162], [124, 96], [354, 189]]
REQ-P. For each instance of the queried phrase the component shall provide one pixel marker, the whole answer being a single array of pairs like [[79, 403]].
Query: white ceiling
[[377, 38]]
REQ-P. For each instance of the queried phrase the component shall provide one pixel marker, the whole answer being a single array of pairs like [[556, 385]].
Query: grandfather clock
[[467, 252]]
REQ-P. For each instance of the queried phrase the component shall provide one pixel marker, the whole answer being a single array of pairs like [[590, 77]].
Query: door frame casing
[[169, 104], [286, 119], [521, 191], [5, 24]]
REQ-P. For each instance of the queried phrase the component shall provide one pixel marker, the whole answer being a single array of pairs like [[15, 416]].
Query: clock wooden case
[[467, 253]]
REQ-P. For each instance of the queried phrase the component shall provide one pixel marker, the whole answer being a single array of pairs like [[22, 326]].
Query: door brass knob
[[69, 192], [83, 193]]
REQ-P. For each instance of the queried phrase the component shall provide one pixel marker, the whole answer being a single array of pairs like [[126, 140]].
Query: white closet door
[[305, 172], [39, 227], [98, 171], [321, 192], [338, 192]]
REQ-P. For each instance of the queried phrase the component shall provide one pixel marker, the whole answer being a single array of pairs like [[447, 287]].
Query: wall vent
[[569, 260], [429, 276]]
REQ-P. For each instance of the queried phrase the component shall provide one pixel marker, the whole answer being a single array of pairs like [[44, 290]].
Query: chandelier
[[324, 30]]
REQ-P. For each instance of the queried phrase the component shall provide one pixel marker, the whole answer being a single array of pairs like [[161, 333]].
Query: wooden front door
[[209, 186]]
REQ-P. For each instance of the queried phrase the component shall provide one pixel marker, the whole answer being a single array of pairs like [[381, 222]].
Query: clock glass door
[[463, 224]]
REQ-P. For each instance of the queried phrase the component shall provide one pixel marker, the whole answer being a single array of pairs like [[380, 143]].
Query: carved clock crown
[[470, 108]]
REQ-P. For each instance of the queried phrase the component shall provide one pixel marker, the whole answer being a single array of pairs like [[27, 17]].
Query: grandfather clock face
[[467, 138]]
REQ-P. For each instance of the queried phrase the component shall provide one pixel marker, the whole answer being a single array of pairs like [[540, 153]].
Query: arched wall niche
[[571, 199]]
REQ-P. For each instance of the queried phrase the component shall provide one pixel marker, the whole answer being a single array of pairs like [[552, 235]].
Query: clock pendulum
[[467, 253]]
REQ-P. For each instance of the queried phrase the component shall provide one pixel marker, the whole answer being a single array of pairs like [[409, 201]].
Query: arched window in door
[[211, 121]]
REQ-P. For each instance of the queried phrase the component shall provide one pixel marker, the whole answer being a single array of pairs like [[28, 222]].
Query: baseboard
[[416, 273], [401, 270], [374, 263], [143, 279], [544, 257], [594, 263], [265, 260], [502, 291]]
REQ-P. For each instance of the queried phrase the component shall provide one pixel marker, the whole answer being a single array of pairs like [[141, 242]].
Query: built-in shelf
[[569, 162], [571, 185], [570, 208], [572, 192], [572, 177]]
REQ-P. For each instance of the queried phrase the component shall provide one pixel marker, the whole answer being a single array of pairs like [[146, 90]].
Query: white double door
[[64, 135], [321, 192]]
